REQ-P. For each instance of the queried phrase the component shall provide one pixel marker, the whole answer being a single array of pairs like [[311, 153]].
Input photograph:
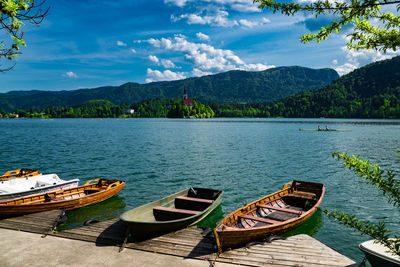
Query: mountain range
[[372, 91], [263, 87]]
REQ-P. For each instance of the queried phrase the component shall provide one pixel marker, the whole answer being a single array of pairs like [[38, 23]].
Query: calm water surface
[[247, 158]]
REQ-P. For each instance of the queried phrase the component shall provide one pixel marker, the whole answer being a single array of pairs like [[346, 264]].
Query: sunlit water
[[247, 158]]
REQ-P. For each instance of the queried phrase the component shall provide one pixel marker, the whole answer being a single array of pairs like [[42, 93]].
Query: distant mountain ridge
[[265, 87], [372, 91]]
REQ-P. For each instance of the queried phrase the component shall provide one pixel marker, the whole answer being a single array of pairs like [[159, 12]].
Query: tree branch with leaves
[[13, 15], [386, 182], [373, 29]]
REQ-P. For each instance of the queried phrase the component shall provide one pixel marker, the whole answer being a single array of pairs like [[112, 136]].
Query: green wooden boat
[[171, 213]]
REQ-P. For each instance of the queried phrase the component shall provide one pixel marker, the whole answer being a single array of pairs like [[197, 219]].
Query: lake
[[247, 158]]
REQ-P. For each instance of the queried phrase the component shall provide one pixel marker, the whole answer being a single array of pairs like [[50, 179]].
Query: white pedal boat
[[26, 186]]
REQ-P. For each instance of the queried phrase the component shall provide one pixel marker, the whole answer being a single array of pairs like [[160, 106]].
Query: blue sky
[[92, 43]]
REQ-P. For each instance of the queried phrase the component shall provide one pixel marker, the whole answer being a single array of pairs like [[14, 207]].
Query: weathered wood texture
[[299, 250], [40, 223]]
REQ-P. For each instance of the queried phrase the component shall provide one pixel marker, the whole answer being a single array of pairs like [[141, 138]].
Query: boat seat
[[91, 191], [192, 203], [168, 214], [297, 212], [260, 219], [305, 195]]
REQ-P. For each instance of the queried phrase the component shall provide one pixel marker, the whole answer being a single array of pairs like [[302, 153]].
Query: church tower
[[186, 100], [185, 95]]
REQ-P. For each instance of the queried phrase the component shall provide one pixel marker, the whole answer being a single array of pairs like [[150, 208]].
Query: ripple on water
[[247, 158]]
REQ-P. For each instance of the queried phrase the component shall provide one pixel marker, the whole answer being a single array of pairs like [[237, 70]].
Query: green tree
[[13, 14], [386, 182], [360, 13]]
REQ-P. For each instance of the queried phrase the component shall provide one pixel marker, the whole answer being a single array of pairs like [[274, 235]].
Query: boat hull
[[377, 255], [19, 173], [143, 225], [228, 234], [68, 199], [56, 186]]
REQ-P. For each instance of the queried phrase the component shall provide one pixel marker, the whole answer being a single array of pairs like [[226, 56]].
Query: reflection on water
[[105, 210], [246, 158], [309, 227], [212, 219]]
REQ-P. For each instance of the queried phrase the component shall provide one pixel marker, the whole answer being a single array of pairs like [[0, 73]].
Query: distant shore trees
[[329, 104], [154, 108]]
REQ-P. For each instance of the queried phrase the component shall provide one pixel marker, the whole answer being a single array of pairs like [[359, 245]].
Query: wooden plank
[[173, 210], [260, 219], [280, 209], [42, 222], [171, 249], [195, 199], [282, 258], [189, 243]]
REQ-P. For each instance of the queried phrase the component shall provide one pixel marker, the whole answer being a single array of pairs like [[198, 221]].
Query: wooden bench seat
[[192, 203], [259, 219], [168, 214], [297, 212], [209, 201], [305, 195]]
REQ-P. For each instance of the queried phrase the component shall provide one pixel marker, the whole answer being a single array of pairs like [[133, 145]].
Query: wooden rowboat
[[273, 214], [171, 213], [323, 130], [19, 173], [92, 192]]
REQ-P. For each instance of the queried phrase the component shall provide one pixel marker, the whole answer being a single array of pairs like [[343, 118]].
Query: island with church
[[183, 107]]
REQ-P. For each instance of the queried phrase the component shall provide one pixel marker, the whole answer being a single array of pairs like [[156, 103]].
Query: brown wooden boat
[[19, 173], [92, 192], [275, 214]]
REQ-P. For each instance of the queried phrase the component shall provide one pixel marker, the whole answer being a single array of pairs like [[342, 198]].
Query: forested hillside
[[263, 87], [372, 91]]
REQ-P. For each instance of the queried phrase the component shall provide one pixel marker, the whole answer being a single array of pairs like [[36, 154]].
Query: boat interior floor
[[269, 215], [183, 207]]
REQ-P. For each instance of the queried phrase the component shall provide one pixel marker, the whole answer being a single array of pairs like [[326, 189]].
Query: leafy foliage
[[154, 108], [390, 187], [13, 14], [263, 87], [383, 35]]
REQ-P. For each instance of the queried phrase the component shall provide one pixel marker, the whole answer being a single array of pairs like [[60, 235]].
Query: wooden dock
[[299, 250]]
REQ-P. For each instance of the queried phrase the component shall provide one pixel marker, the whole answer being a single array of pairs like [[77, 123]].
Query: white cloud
[[154, 59], [346, 68], [167, 75], [120, 43], [202, 37], [166, 63], [70, 74], [238, 5], [218, 18], [356, 59], [179, 3], [198, 73], [133, 51], [335, 62], [205, 58], [250, 24]]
